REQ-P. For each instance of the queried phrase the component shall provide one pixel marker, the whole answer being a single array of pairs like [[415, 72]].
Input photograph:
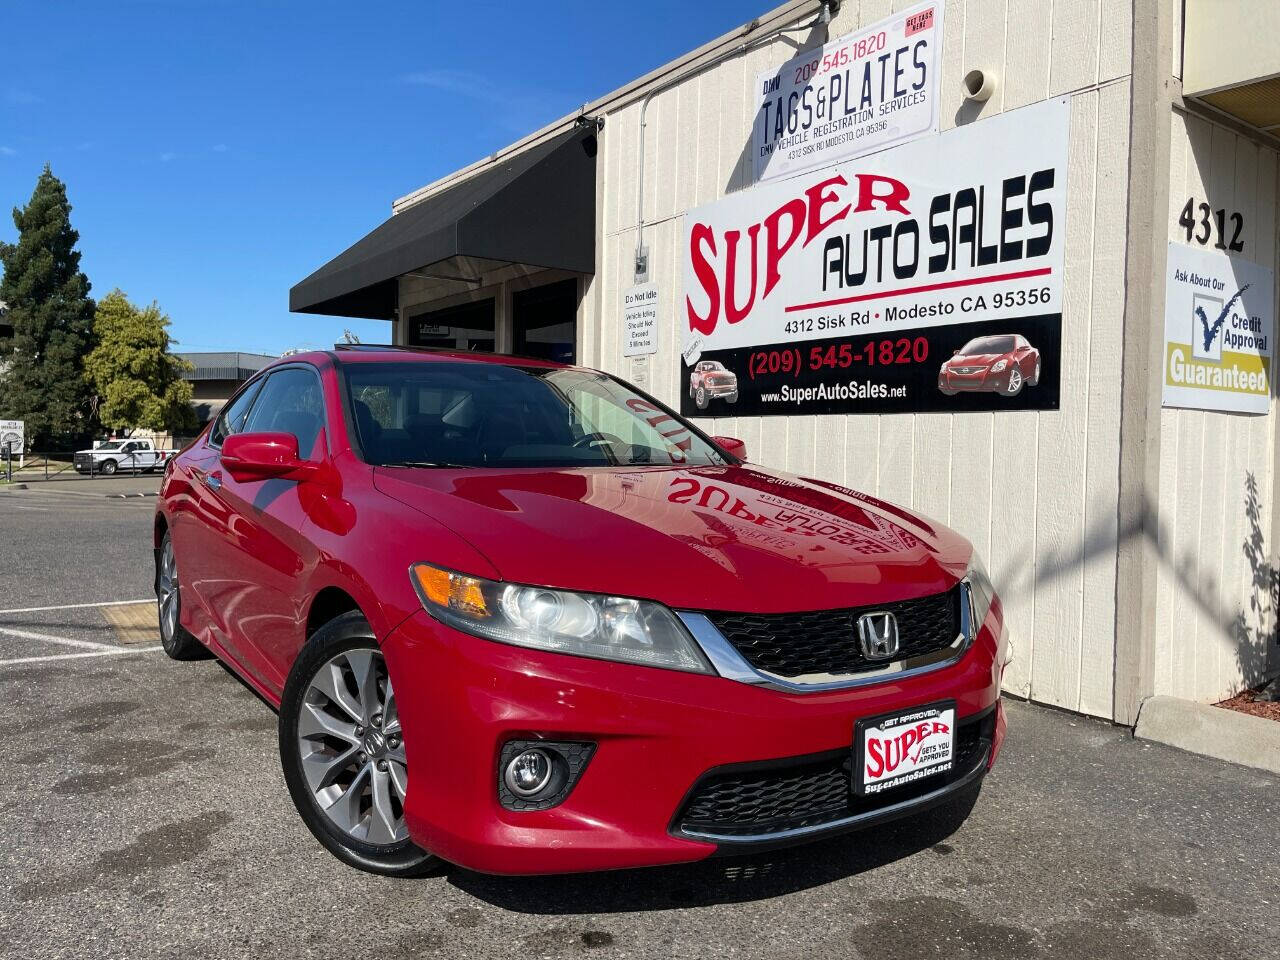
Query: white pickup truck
[[114, 455]]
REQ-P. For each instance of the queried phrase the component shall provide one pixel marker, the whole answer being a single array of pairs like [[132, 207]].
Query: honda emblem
[[878, 634]]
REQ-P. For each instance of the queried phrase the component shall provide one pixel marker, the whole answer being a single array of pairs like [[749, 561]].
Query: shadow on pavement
[[736, 879]]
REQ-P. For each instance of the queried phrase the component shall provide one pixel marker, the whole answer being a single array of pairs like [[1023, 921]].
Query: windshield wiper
[[425, 463]]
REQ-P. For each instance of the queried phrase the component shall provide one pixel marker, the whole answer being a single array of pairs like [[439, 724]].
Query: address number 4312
[[1201, 222]]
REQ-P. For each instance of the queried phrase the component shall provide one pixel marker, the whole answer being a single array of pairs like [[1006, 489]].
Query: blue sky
[[215, 153]]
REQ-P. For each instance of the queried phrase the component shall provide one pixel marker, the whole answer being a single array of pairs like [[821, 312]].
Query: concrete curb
[[1211, 732]]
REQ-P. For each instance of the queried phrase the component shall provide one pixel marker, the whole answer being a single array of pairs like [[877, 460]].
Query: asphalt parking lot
[[146, 816]]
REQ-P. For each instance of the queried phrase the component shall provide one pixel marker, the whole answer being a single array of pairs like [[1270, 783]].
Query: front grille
[[826, 641], [764, 798]]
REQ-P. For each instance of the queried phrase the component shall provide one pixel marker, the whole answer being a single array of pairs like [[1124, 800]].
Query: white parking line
[[28, 635], [79, 606], [113, 652]]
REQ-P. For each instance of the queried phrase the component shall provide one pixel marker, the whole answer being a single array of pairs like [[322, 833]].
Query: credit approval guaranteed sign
[[927, 277], [1219, 322], [863, 92]]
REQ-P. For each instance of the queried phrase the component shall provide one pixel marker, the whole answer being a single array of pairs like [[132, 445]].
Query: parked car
[[519, 617], [995, 364], [709, 379], [114, 455]]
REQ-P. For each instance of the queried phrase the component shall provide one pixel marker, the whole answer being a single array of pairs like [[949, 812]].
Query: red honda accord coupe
[[521, 617]]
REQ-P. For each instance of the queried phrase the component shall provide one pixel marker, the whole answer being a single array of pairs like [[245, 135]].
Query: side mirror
[[955, 353], [732, 446], [261, 456]]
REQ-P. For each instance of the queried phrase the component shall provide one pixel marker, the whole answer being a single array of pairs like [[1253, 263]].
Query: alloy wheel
[[167, 593], [352, 750], [1015, 380]]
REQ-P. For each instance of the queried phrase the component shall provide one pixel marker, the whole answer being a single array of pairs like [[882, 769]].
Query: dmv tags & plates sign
[[860, 93]]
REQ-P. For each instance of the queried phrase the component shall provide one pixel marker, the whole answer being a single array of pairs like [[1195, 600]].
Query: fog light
[[528, 773], [539, 774]]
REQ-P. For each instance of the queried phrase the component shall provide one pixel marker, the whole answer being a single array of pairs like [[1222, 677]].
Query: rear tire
[[178, 643], [342, 752]]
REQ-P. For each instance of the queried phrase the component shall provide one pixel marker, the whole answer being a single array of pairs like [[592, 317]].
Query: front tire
[[1015, 382], [342, 751], [178, 643], [108, 467], [700, 398]]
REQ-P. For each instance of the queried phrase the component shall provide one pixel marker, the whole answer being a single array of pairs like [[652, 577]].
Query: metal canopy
[[535, 208]]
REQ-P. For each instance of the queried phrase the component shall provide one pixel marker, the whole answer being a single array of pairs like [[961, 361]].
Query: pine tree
[[138, 382], [41, 365]]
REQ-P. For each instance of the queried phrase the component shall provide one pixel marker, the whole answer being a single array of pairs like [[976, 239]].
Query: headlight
[[999, 365], [981, 592], [583, 624]]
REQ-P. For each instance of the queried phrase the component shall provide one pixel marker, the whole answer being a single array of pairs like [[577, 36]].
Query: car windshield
[[113, 445], [988, 345], [442, 414]]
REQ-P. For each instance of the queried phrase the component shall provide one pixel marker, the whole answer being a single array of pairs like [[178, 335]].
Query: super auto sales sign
[[927, 277]]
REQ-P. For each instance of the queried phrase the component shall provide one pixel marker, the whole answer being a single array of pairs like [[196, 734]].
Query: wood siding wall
[[1213, 608], [1036, 492]]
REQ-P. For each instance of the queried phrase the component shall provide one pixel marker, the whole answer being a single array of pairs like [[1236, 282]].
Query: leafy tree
[[41, 378], [137, 380]]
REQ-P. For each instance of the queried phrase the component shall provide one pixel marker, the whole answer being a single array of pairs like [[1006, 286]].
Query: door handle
[[213, 481]]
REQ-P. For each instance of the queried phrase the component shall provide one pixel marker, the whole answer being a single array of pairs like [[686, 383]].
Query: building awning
[[535, 208]]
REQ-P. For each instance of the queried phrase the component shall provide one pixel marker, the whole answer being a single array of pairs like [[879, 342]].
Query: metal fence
[[47, 465]]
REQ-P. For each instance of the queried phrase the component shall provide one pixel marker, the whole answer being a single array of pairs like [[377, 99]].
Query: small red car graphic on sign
[[1003, 364], [710, 379]]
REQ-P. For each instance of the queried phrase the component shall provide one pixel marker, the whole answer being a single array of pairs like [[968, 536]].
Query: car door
[[199, 517], [265, 549]]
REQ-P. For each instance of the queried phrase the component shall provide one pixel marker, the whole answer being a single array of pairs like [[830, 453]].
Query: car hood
[[738, 538], [976, 359]]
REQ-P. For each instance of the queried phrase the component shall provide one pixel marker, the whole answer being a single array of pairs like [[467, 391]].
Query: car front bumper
[[984, 381], [658, 733], [721, 388]]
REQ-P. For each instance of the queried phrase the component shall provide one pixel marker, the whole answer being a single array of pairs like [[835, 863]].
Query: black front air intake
[[826, 641], [758, 799]]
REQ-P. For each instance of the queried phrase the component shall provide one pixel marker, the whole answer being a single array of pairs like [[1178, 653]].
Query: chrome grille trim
[[732, 665]]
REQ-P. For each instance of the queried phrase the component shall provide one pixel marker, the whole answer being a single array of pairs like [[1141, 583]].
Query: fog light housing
[[539, 774], [528, 773]]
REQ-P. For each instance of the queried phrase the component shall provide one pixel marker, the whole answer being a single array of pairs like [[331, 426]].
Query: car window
[[290, 402], [233, 415], [491, 415], [997, 344]]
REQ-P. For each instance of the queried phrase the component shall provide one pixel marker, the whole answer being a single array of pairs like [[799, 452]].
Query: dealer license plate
[[904, 747]]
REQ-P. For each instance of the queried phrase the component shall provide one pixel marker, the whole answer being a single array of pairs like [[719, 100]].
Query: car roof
[[389, 353]]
